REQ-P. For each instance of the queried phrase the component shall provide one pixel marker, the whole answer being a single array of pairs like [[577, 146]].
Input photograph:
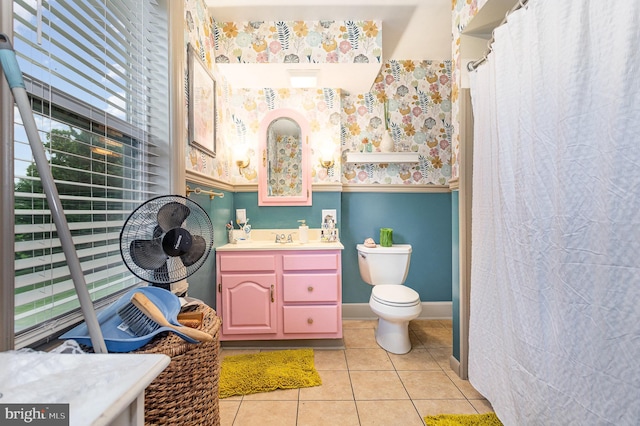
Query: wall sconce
[[243, 164], [327, 163], [326, 156], [241, 156]]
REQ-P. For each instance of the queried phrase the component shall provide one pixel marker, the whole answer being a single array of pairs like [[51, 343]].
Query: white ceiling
[[411, 29]]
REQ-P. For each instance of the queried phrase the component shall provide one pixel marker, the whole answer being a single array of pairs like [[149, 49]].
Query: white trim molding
[[395, 188], [317, 187], [454, 184], [204, 180], [327, 187], [245, 187], [454, 364]]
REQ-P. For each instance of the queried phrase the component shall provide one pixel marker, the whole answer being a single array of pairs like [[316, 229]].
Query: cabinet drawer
[[311, 319], [310, 287], [247, 262], [306, 262]]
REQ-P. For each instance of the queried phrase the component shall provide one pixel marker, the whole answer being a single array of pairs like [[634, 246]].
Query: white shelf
[[383, 157]]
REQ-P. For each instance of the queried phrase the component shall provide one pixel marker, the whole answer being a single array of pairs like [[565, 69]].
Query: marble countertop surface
[[97, 387]]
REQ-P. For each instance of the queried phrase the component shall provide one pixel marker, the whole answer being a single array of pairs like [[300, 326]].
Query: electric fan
[[166, 239]]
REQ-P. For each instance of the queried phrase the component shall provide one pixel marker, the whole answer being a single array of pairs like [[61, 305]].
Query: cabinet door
[[248, 303]]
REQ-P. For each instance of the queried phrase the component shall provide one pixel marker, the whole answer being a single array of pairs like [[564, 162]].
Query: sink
[[264, 239], [270, 244]]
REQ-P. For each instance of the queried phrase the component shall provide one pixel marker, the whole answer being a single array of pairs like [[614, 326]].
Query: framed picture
[[202, 104]]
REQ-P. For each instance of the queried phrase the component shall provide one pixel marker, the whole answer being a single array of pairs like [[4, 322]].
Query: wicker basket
[[186, 392]]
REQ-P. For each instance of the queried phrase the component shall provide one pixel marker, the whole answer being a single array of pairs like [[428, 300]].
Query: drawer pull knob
[[272, 299], [310, 289], [309, 320]]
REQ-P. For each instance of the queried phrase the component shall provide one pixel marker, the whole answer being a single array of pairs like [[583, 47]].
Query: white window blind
[[97, 75]]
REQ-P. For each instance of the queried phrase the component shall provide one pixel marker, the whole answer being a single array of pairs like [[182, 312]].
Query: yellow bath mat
[[488, 419], [267, 371]]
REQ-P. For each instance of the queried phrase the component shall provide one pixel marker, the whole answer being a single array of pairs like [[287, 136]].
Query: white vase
[[386, 143]]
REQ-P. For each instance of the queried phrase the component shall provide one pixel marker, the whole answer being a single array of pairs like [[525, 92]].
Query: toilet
[[386, 269]]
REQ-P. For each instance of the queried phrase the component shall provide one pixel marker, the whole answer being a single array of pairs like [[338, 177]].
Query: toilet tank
[[384, 265]]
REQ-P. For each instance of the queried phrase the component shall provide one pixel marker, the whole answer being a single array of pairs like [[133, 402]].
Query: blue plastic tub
[[116, 337]]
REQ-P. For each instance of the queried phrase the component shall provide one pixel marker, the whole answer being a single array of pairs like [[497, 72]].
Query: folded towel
[[369, 243]]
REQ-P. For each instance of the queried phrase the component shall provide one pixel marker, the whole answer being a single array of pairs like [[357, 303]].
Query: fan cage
[[141, 225]]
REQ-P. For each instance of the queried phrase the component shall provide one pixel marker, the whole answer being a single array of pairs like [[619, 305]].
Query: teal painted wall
[[202, 282], [272, 217], [455, 273], [422, 220]]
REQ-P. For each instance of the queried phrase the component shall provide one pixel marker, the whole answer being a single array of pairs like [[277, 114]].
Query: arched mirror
[[284, 172]]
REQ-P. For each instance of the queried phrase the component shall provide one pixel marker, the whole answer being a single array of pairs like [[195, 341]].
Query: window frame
[[166, 182]]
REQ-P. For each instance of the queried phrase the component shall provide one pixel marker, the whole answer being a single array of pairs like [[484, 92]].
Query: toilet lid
[[395, 295]]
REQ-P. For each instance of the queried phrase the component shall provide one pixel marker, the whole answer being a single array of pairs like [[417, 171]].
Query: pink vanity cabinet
[[279, 294]]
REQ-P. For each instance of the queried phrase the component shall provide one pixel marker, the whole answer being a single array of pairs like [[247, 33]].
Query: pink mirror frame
[[264, 198]]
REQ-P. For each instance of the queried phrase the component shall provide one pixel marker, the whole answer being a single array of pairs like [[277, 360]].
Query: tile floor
[[365, 385]]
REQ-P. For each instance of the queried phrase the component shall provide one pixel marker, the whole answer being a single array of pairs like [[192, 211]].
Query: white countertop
[[270, 245], [264, 239], [97, 387]]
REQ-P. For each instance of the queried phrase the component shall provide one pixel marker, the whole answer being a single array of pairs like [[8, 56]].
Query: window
[[97, 75]]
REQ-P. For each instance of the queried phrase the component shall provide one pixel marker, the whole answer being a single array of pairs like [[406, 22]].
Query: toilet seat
[[395, 295]]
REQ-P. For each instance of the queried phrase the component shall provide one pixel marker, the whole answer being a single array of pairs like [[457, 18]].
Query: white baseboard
[[454, 364], [430, 310]]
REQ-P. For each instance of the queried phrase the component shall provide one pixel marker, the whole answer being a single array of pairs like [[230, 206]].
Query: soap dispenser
[[303, 232]]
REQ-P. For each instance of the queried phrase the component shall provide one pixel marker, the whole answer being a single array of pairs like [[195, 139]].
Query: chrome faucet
[[282, 238]]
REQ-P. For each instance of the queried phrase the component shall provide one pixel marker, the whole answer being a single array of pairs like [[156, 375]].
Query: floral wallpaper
[[284, 161], [298, 42], [462, 13], [414, 97], [245, 109], [199, 32]]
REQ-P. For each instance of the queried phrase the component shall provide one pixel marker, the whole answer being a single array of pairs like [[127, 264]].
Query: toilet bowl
[[386, 269]]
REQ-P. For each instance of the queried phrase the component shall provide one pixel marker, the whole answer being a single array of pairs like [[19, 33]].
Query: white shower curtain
[[555, 276]]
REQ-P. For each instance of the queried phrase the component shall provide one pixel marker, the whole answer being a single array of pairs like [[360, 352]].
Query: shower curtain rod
[[471, 66]]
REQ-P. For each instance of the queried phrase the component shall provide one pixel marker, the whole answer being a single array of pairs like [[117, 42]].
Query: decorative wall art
[[202, 104]]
